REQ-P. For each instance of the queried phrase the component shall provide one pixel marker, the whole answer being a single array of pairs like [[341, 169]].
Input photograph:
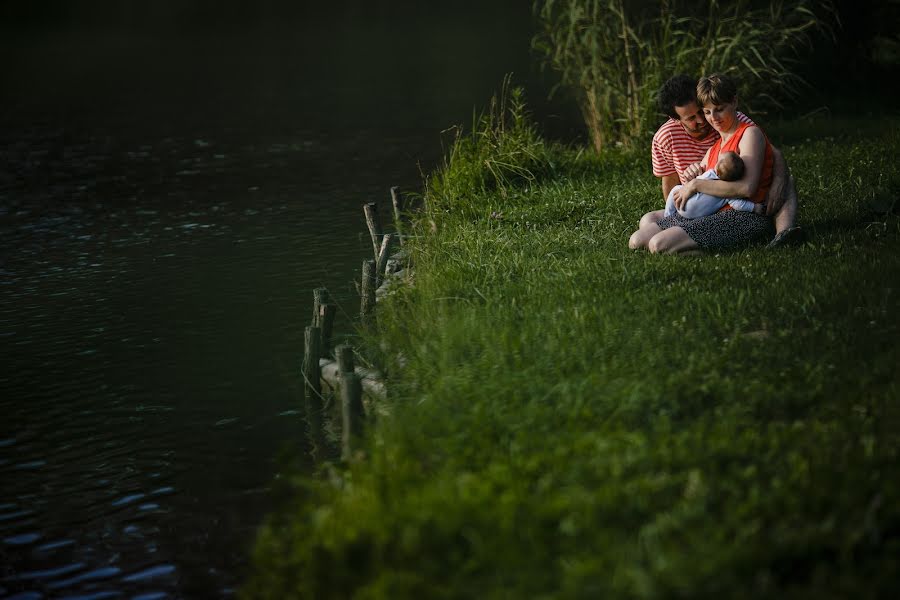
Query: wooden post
[[375, 231], [345, 358], [320, 297], [312, 387], [353, 413], [352, 410], [323, 318], [326, 324], [367, 302], [382, 259], [396, 200]]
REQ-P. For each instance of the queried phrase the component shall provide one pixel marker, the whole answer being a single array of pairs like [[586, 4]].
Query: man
[[682, 141]]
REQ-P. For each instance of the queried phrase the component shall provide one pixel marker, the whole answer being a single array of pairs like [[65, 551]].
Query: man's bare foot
[[789, 237]]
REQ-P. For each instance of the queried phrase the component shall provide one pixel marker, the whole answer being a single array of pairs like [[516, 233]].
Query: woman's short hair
[[716, 89]]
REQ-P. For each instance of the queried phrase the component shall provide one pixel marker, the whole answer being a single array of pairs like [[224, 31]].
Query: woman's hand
[[693, 171], [684, 192]]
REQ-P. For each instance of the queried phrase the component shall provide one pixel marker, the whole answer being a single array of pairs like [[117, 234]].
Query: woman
[[726, 228]]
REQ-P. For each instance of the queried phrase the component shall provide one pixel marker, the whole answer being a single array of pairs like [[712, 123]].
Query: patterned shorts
[[723, 230]]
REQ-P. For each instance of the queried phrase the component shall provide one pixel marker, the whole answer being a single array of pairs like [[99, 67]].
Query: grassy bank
[[576, 420]]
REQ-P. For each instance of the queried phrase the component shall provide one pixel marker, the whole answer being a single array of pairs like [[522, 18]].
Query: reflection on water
[[170, 198]]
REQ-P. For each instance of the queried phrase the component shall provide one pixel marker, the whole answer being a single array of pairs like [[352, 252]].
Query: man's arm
[[775, 197], [668, 182]]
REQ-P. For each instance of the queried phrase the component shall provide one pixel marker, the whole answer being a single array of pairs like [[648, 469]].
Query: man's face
[[691, 117]]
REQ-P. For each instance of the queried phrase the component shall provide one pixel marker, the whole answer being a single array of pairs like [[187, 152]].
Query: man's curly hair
[[678, 90]]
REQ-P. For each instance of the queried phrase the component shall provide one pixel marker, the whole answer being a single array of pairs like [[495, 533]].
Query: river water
[[176, 180]]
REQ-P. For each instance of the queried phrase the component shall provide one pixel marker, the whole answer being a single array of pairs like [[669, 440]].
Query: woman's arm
[[690, 175], [752, 151]]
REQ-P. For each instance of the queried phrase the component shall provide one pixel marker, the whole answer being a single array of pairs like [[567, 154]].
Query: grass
[[571, 419]]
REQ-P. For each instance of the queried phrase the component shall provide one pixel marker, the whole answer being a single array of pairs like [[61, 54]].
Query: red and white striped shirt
[[673, 149]]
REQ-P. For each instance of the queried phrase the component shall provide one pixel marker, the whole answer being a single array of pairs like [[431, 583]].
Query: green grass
[[576, 420]]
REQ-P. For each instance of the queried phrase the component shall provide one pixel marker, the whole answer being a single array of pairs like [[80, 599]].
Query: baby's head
[[730, 166]]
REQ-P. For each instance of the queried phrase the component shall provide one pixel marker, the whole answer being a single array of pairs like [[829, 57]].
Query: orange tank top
[[765, 178]]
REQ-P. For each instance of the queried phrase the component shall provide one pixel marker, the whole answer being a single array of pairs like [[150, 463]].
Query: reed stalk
[[613, 55]]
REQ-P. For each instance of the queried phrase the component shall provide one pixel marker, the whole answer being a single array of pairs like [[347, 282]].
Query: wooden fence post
[[382, 259], [397, 200], [323, 318], [374, 224], [320, 297], [367, 302], [312, 387], [327, 313], [344, 354], [352, 409]]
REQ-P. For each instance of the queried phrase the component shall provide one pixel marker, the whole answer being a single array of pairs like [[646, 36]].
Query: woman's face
[[721, 116]]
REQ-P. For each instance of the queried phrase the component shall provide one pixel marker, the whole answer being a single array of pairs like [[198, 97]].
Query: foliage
[[570, 419], [614, 55], [502, 150]]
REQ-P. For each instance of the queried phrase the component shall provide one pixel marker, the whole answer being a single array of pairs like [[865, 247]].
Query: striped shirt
[[674, 150]]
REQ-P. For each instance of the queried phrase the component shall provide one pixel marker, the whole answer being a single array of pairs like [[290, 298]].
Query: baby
[[730, 167]]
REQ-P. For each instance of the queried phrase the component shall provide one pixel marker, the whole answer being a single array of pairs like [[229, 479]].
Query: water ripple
[[130, 499], [48, 573], [54, 545], [151, 573], [93, 596], [25, 596], [15, 515], [151, 596], [92, 575]]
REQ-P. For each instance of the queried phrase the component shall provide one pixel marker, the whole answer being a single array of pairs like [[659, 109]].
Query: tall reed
[[613, 55]]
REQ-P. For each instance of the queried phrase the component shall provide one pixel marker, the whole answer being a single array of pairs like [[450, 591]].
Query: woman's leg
[[673, 240], [640, 238], [651, 218]]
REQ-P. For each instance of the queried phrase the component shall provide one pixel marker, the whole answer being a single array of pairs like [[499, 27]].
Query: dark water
[[177, 178]]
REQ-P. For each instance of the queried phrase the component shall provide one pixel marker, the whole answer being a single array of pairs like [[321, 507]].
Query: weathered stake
[[396, 200], [382, 259], [353, 413], [326, 324], [352, 410], [367, 302], [323, 318], [344, 354], [320, 297], [312, 387], [375, 231]]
